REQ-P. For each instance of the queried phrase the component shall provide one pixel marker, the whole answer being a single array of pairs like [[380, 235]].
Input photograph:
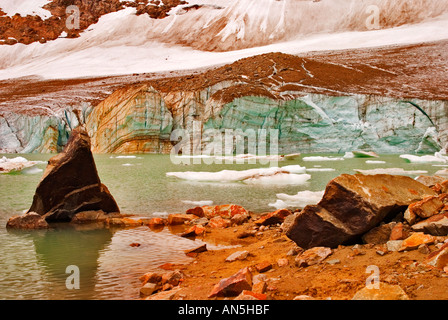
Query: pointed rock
[[70, 183]]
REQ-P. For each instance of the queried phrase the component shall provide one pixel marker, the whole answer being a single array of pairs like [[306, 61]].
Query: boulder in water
[[71, 184]]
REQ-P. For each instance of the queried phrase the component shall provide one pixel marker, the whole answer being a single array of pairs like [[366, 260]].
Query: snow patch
[[25, 7]]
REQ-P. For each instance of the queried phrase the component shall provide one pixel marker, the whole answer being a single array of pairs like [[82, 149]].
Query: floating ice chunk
[[443, 172], [300, 200], [125, 157], [349, 155], [320, 169], [365, 154], [127, 164], [375, 162], [198, 203], [424, 159], [279, 179], [252, 157], [319, 158], [160, 214], [234, 175], [393, 171], [32, 170], [16, 164]]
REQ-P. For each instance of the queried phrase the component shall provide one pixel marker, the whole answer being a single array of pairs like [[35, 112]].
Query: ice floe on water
[[436, 158], [299, 200], [279, 179], [17, 164], [320, 169], [199, 203], [392, 171], [123, 157], [293, 174], [160, 214], [375, 162], [321, 158]]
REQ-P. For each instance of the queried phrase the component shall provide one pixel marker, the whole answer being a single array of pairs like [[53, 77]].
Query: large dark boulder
[[71, 184], [353, 205]]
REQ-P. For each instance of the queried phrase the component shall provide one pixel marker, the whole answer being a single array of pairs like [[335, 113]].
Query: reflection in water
[[66, 245], [109, 267]]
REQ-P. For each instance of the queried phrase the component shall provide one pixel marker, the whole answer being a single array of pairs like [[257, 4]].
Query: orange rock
[[260, 287], [312, 256], [259, 296], [273, 217], [195, 251], [124, 222], [218, 222], [427, 207], [437, 225], [439, 258], [156, 222], [150, 277], [180, 218], [234, 285], [224, 211], [263, 266], [415, 240], [399, 232], [193, 231]]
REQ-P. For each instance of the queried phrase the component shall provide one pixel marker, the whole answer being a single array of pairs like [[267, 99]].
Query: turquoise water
[[33, 264]]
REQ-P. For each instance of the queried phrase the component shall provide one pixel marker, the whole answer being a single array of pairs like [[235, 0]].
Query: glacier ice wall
[[141, 119]]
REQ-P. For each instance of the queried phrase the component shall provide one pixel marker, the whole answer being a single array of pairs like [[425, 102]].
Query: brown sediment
[[412, 71], [328, 279]]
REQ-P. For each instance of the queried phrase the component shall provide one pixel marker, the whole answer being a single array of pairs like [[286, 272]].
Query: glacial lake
[[33, 263]]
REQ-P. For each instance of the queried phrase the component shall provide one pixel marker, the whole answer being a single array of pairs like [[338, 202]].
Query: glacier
[[141, 120]]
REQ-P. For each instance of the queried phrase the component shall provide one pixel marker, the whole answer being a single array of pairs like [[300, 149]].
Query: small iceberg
[[287, 174], [300, 200], [320, 158], [365, 154], [443, 172], [279, 179], [392, 171], [200, 203], [17, 164], [292, 156], [375, 162], [437, 158], [243, 157]]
